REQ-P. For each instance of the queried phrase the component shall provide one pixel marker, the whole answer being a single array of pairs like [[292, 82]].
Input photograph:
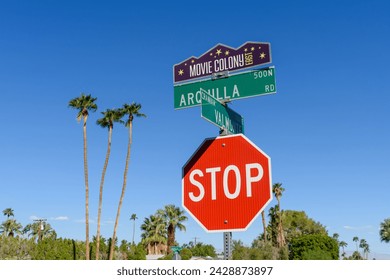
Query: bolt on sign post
[[226, 183]]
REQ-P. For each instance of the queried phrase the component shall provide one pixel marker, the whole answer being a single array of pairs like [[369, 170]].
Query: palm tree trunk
[[86, 191], [101, 191], [264, 226], [281, 239], [123, 190], [133, 232], [171, 237]]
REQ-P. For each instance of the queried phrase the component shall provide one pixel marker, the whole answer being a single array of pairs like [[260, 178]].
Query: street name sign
[[220, 115], [243, 85], [222, 58], [226, 183]]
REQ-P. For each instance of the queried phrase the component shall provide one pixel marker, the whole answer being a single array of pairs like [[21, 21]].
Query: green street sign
[[176, 249], [220, 115], [243, 85]]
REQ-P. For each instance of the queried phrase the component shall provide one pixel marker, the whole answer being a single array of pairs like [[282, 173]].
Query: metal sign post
[[227, 235], [227, 245]]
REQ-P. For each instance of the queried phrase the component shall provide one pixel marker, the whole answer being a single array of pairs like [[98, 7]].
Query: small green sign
[[220, 115], [176, 249], [248, 84]]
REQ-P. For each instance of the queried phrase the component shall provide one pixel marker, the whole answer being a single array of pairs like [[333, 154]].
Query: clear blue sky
[[326, 129]]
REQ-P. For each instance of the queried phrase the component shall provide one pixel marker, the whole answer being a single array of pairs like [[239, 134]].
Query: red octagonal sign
[[227, 183]]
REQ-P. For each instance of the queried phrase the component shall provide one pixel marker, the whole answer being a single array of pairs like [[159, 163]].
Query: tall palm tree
[[9, 212], [384, 231], [343, 244], [84, 104], [174, 218], [131, 110], [356, 240], [365, 247], [107, 121], [366, 250], [264, 226], [273, 225], [133, 217], [278, 190]]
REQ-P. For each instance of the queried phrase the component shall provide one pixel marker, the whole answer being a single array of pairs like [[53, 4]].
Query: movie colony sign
[[222, 58]]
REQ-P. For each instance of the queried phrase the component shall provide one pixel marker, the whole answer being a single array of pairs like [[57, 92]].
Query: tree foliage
[[384, 231], [297, 223], [40, 230], [11, 228], [15, 248], [154, 233], [260, 250], [173, 218], [186, 254], [313, 247], [203, 250]]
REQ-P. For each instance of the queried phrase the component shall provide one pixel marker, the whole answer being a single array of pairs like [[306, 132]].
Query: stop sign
[[226, 183]]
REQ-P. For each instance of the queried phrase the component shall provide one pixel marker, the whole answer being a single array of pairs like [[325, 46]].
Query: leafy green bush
[[314, 247], [137, 252], [186, 254], [15, 248], [203, 250]]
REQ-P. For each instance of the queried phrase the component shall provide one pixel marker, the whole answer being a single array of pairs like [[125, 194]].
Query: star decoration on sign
[[227, 53], [262, 55], [219, 52], [181, 72]]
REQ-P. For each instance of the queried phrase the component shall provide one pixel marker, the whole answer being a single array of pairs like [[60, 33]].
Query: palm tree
[[39, 230], [273, 225], [356, 240], [264, 226], [174, 218], [384, 231], [107, 121], [364, 245], [366, 250], [84, 104], [10, 227], [154, 232], [278, 190], [9, 212], [133, 217], [343, 244], [131, 110]]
